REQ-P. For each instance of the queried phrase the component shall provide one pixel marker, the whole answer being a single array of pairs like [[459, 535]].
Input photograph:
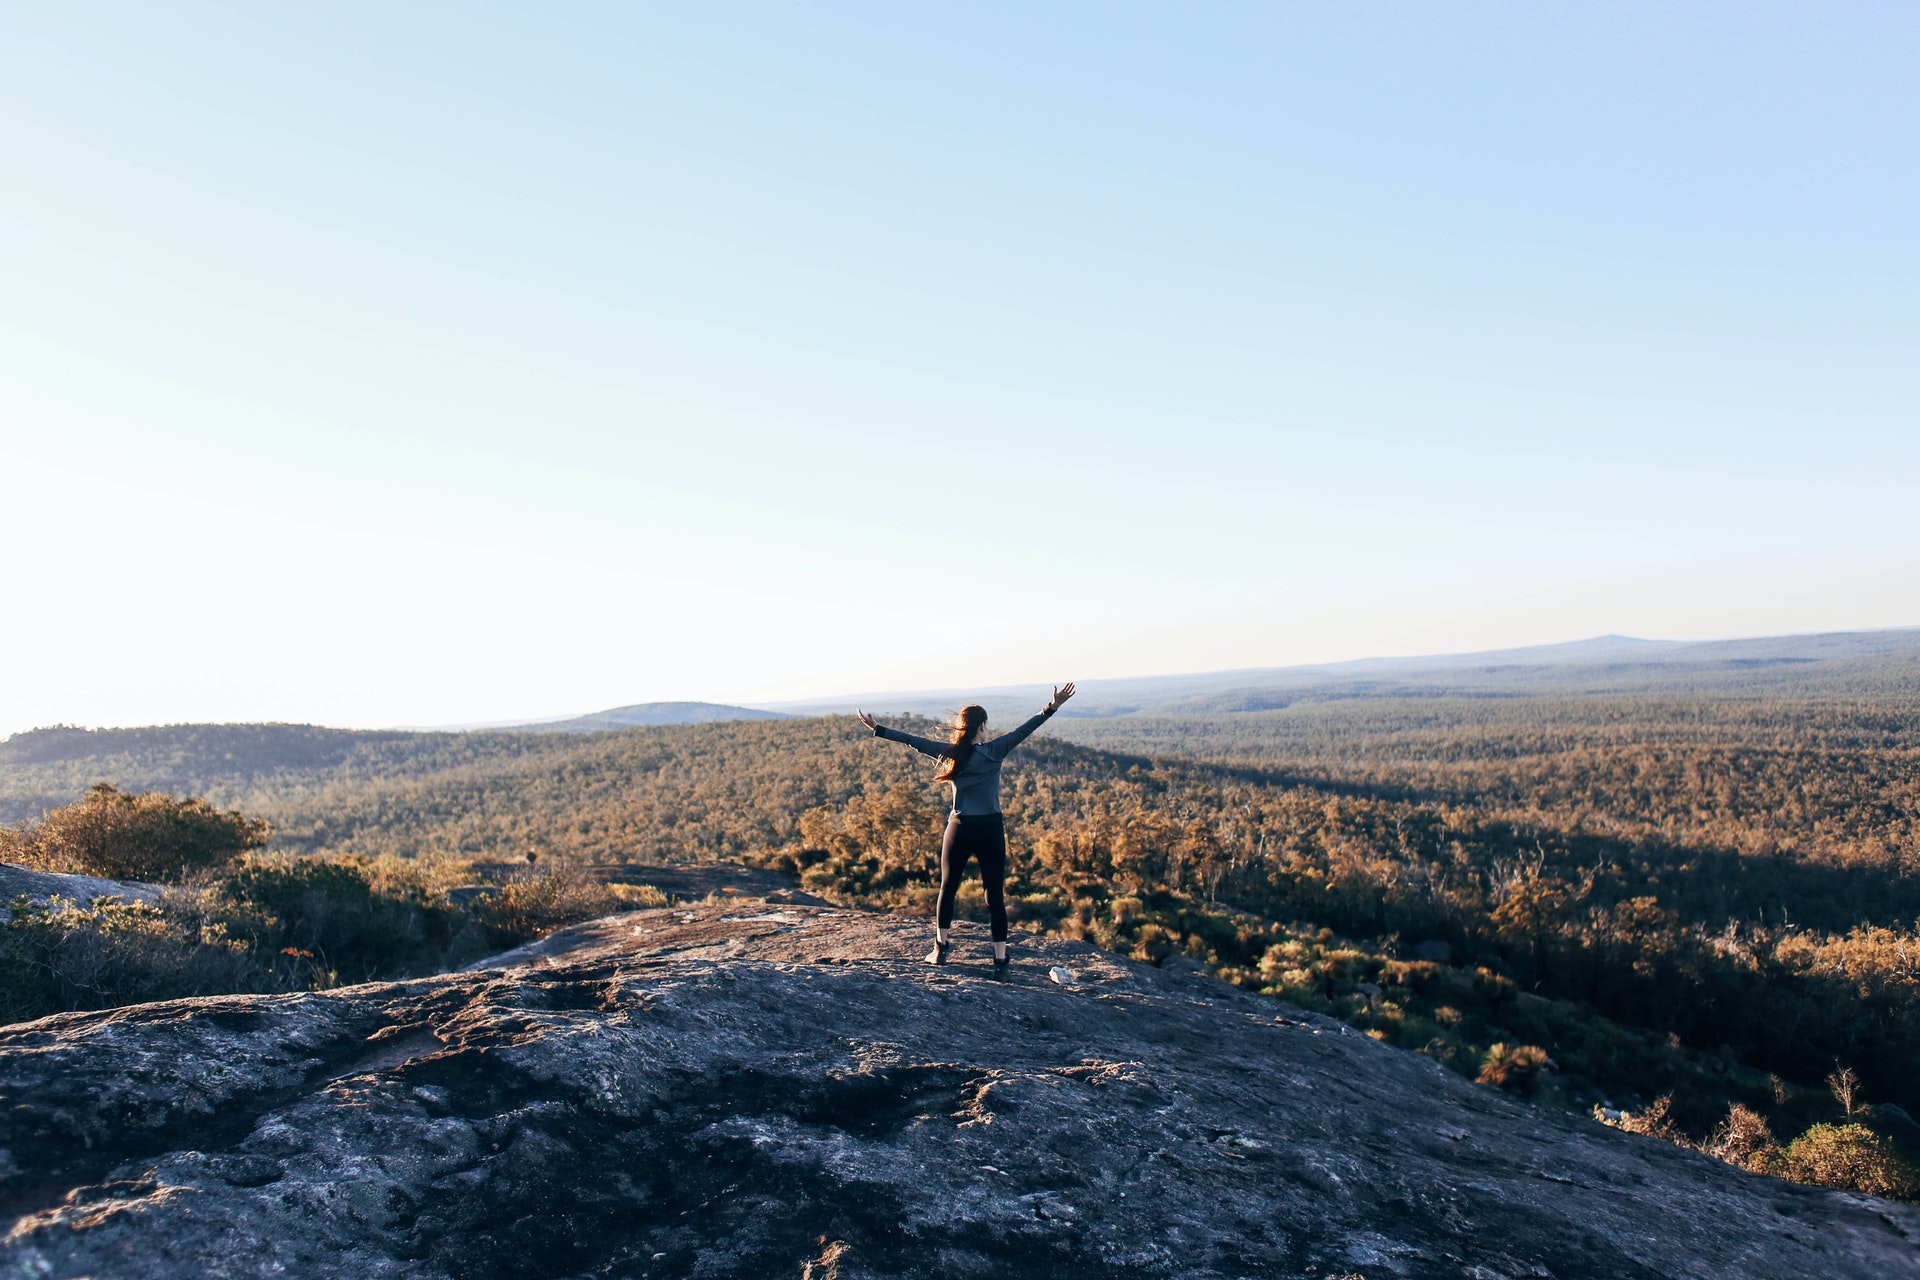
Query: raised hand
[[1061, 692], [871, 723]]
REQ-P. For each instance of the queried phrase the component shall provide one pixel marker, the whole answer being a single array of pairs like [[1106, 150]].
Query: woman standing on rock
[[975, 829]]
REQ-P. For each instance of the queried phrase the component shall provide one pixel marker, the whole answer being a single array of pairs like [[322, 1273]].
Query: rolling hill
[[1838, 662], [649, 713]]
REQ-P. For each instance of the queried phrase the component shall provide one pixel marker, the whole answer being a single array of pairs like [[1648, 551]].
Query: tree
[[1845, 1084]]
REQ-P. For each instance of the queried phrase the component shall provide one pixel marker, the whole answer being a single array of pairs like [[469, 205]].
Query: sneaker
[[939, 953], [1001, 964]]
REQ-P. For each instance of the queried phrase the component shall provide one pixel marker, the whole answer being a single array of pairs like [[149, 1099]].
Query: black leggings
[[982, 836]]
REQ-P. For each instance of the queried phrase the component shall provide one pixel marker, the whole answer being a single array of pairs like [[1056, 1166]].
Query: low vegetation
[[237, 920], [1598, 900], [1851, 1156]]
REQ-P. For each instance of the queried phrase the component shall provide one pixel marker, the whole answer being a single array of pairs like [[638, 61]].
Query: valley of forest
[[1694, 911]]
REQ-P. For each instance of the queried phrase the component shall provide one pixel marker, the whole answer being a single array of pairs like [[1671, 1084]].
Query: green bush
[[1850, 1157], [150, 836]]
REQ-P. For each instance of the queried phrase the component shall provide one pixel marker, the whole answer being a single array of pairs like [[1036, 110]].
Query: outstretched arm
[[1006, 742], [925, 746]]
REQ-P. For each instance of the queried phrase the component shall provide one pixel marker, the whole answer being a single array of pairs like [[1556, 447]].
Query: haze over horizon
[[502, 367], [1588, 654]]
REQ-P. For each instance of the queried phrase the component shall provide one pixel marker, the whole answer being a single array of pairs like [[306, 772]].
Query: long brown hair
[[966, 733]]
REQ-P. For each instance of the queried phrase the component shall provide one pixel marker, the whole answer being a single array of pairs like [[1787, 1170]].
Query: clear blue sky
[[384, 364]]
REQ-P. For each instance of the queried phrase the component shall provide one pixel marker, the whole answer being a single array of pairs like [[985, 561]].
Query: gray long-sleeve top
[[976, 788]]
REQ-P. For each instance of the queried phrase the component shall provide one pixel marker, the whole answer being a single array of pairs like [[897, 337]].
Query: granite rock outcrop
[[778, 1089]]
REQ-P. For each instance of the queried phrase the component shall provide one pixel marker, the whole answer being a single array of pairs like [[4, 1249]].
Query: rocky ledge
[[783, 1090], [42, 887]]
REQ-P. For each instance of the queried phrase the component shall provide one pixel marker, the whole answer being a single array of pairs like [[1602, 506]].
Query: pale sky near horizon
[[424, 364]]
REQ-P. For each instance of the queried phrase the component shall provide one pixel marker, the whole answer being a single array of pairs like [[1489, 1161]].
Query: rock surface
[[42, 886], [781, 1090]]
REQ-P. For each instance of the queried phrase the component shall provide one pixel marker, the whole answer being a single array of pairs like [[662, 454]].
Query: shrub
[[1654, 1120], [525, 909], [1850, 1157], [1513, 1066], [275, 923], [150, 836], [1743, 1138], [1153, 944], [640, 895], [63, 956], [352, 917]]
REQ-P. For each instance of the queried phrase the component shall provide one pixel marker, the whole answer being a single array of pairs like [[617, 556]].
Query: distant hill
[[650, 713], [242, 764], [44, 768], [1849, 662], [1212, 715]]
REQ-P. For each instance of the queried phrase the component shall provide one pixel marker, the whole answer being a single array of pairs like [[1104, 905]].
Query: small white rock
[[1061, 976]]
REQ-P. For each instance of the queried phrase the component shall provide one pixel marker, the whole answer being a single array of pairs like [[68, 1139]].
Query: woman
[[975, 829]]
